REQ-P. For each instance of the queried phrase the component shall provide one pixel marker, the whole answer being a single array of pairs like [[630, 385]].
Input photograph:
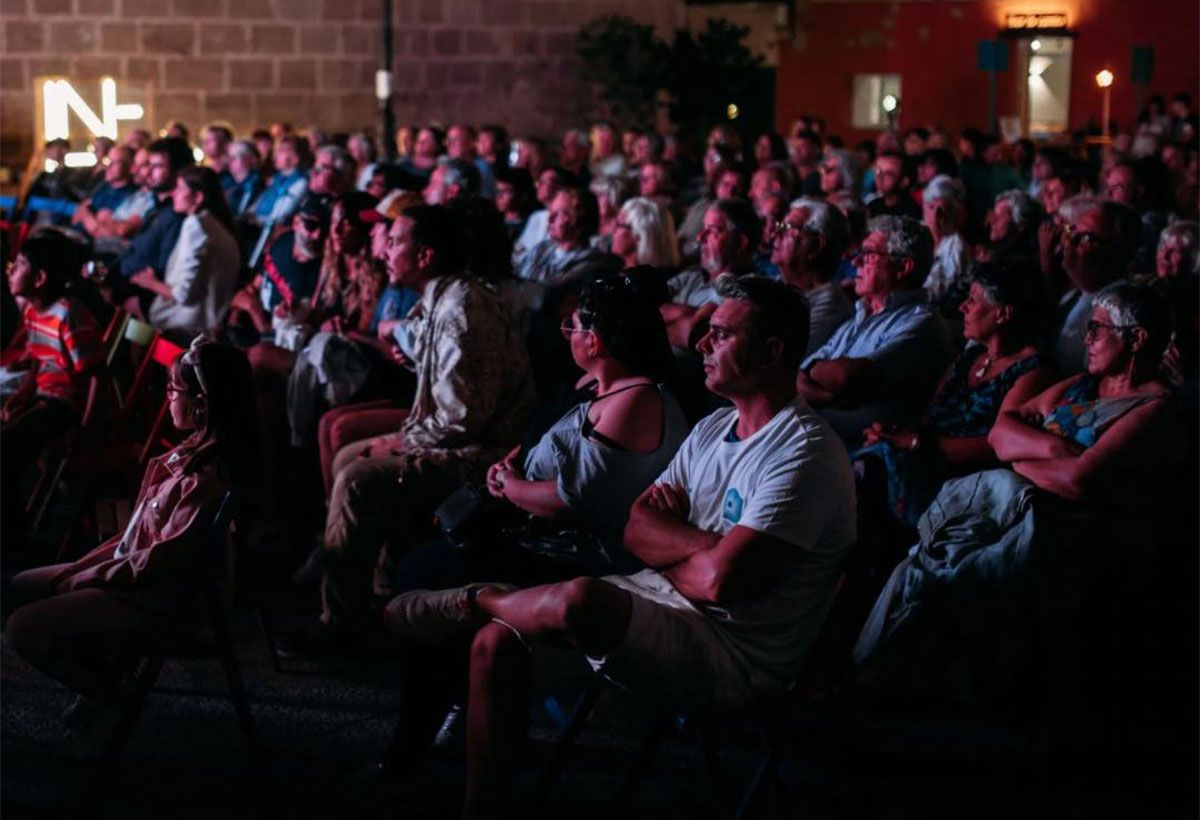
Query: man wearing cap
[[291, 267]]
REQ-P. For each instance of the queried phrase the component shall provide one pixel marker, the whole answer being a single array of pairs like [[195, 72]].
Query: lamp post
[[383, 85], [1104, 79], [891, 109]]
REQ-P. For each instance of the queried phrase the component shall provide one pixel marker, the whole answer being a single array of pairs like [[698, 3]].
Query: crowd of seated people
[[968, 351]]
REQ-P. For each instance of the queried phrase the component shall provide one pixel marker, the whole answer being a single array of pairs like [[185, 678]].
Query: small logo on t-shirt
[[732, 511]]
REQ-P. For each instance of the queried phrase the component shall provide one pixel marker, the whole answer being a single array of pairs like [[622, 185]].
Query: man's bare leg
[[591, 614]]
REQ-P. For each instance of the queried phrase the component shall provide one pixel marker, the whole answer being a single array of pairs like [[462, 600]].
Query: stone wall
[[250, 62]]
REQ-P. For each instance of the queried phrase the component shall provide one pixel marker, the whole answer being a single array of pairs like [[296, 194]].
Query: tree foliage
[[703, 72]]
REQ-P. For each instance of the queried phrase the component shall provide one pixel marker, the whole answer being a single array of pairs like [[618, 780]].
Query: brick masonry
[[250, 62]]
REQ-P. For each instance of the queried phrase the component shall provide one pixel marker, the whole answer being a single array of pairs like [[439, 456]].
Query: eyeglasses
[[324, 168], [828, 168], [568, 327], [867, 256], [784, 227], [1094, 326], [172, 387], [1075, 236]]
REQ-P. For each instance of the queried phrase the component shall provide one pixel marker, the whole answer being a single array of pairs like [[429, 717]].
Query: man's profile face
[[213, 145], [435, 191], [888, 175], [286, 159], [729, 351], [563, 219], [120, 161], [1085, 242], [158, 173], [402, 263], [788, 237], [458, 143], [718, 242], [1121, 186], [878, 273]]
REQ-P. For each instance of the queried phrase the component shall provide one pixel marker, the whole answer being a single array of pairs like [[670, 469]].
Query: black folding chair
[[179, 639]]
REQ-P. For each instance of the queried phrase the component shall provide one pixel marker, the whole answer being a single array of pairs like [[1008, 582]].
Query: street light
[[1104, 79], [890, 105]]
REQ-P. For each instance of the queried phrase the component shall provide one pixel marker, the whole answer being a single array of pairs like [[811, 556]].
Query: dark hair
[[176, 150], [498, 132], [353, 204], [57, 255], [486, 244], [1126, 227], [906, 168], [589, 216], [918, 131], [741, 216], [810, 136], [437, 228], [942, 160], [780, 311], [221, 131], [206, 182], [778, 146], [221, 374], [1017, 281], [622, 310]]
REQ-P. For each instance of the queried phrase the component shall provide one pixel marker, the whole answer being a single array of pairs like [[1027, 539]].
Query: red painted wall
[[932, 45]]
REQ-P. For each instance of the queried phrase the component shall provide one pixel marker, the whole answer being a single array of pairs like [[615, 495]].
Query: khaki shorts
[[671, 647]]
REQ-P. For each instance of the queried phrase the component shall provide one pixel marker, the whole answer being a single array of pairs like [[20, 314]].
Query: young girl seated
[[90, 613]]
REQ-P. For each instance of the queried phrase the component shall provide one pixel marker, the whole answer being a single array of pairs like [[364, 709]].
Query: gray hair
[[654, 227], [1188, 234], [948, 191], [245, 149], [365, 143], [849, 170], [1130, 306], [1024, 210], [610, 188], [780, 311], [461, 173], [343, 163], [826, 220], [906, 239], [1071, 209]]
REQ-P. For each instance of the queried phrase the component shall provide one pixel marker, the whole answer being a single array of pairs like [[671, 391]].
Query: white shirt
[[693, 288], [790, 480]]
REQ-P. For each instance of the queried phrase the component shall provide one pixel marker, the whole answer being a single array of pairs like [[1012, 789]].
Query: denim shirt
[[909, 342], [281, 199]]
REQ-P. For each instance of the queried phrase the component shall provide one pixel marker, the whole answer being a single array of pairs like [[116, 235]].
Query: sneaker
[[436, 616], [319, 639]]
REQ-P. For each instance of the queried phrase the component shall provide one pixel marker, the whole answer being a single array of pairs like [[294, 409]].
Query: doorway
[[1046, 83]]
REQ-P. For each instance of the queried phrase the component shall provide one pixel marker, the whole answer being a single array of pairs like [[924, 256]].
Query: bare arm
[[843, 380], [738, 565], [1017, 433], [1095, 474], [658, 532], [976, 450], [538, 498], [685, 324]]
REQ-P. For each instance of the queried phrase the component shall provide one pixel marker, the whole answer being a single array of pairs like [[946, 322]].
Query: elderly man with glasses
[[808, 246], [883, 363]]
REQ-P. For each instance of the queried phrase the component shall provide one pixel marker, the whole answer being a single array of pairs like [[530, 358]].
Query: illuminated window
[[871, 92]]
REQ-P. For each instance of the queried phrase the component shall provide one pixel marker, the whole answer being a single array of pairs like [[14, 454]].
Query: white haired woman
[[944, 207], [644, 234]]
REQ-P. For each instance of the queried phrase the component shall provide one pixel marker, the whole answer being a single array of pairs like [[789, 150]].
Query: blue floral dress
[[959, 410]]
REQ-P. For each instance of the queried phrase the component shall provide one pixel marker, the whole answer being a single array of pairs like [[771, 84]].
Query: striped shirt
[[64, 342]]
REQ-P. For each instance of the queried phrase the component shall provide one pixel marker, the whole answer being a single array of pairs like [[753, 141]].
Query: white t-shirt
[[790, 480]]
